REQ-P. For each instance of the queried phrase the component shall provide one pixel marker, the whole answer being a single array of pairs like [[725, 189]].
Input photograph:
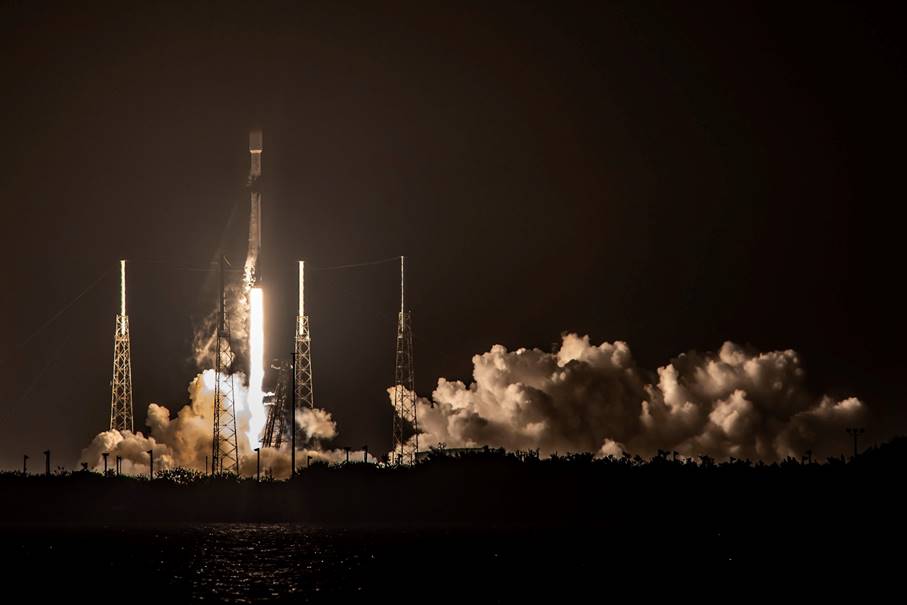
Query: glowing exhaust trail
[[255, 401]]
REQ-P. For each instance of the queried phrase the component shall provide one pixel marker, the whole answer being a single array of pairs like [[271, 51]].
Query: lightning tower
[[305, 394], [405, 424], [224, 454], [121, 385]]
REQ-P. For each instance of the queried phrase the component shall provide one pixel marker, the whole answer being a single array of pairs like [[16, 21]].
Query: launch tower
[[276, 427]]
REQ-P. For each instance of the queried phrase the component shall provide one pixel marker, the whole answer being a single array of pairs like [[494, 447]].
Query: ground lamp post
[[855, 433]]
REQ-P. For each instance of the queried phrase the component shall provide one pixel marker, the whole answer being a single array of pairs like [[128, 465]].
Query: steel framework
[[406, 428], [305, 392], [278, 408], [121, 384], [225, 453]]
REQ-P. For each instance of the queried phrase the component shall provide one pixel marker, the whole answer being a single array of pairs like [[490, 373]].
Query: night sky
[[670, 174]]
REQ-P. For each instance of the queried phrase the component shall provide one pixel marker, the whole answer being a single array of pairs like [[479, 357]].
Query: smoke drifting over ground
[[583, 398], [185, 440], [733, 403]]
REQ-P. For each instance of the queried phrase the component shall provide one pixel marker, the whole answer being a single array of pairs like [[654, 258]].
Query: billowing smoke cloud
[[315, 424], [131, 447], [587, 398], [186, 439]]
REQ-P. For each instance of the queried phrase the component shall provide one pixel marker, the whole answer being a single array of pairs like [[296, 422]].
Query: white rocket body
[[251, 267]]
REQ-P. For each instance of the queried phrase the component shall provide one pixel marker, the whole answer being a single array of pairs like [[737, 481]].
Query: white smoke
[[587, 398], [131, 447], [315, 423], [186, 440]]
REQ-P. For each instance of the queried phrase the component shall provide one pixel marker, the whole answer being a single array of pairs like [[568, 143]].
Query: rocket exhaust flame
[[255, 400]]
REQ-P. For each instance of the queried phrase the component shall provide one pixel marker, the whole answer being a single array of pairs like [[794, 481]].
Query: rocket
[[251, 274]]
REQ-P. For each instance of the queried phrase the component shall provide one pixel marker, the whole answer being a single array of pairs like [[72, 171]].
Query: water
[[287, 563]]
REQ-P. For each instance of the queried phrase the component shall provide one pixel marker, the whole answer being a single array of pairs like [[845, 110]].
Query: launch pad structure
[[288, 399], [305, 393], [121, 383], [405, 421], [276, 431], [225, 452], [294, 385]]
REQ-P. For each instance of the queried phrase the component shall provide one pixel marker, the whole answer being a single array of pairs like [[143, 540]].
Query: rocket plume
[[255, 400]]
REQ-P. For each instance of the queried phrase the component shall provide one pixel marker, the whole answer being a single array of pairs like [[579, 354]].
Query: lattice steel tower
[[305, 393], [276, 427], [121, 385], [405, 423], [224, 454]]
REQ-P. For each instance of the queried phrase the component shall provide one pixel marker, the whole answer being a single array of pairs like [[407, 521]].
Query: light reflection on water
[[290, 563], [253, 563]]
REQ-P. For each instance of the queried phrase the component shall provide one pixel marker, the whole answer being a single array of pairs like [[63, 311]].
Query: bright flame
[[255, 398]]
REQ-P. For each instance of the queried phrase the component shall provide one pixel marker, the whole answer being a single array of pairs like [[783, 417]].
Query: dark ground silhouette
[[483, 488], [502, 522]]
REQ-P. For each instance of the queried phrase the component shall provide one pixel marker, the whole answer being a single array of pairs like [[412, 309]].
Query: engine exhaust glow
[[255, 400]]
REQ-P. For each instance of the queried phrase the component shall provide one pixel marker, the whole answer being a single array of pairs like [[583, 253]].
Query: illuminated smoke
[[315, 424], [255, 398], [185, 440], [587, 398]]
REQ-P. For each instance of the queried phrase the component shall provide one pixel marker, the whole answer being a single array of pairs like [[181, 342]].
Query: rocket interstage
[[251, 272]]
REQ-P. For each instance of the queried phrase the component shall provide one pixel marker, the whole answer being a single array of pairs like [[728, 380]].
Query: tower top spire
[[123, 286], [301, 288]]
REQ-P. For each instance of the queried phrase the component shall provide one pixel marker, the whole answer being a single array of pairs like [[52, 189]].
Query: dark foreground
[[292, 563], [489, 527]]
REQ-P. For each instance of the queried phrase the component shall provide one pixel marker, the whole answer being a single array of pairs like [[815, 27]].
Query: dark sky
[[670, 174]]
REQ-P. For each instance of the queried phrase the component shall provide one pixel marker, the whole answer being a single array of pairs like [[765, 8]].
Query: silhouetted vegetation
[[483, 487]]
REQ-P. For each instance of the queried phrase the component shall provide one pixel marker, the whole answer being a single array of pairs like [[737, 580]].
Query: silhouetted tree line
[[487, 487]]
